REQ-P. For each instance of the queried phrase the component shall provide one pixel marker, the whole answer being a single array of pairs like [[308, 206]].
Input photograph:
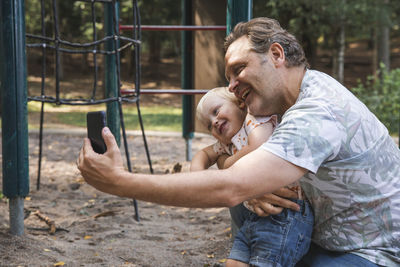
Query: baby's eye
[[215, 111], [209, 127]]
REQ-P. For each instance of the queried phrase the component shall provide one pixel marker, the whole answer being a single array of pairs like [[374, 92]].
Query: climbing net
[[111, 45]]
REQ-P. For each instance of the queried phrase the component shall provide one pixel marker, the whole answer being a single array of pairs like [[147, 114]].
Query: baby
[[276, 240]]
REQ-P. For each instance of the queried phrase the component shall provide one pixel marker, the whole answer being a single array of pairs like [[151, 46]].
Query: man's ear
[[278, 54]]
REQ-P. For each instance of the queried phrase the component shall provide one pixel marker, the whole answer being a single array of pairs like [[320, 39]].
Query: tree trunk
[[375, 61], [384, 35], [154, 48], [340, 58]]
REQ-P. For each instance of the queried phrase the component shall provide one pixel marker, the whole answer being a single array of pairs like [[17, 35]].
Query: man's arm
[[255, 174]]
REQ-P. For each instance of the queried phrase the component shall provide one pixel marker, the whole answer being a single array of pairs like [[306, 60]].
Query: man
[[348, 164]]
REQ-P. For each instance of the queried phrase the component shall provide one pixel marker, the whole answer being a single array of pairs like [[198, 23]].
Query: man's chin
[[256, 112]]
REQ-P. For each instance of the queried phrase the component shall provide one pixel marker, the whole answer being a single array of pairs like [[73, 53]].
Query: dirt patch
[[96, 229]]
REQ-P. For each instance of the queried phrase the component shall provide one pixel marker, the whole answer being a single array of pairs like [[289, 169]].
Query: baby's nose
[[215, 122]]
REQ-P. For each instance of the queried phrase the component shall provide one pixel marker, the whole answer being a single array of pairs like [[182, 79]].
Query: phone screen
[[96, 121]]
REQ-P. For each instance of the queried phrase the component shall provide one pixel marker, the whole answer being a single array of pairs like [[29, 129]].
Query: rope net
[[110, 46]]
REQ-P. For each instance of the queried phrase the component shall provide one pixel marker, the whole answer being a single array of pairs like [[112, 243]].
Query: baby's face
[[222, 118]]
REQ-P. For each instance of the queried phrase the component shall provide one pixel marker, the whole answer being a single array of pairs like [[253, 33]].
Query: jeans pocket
[[282, 218]]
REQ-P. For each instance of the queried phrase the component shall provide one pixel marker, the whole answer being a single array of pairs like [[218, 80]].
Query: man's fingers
[[260, 212], [270, 209], [284, 203], [109, 138], [279, 201], [87, 146], [286, 193]]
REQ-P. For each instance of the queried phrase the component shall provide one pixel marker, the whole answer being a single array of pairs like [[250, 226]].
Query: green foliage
[[316, 23], [382, 96]]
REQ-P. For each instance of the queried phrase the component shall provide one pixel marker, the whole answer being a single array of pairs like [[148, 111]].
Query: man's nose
[[233, 83]]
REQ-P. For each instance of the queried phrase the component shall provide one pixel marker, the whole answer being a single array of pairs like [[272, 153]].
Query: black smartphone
[[96, 121]]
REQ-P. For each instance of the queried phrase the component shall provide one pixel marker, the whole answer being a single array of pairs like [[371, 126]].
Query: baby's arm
[[256, 138], [204, 159]]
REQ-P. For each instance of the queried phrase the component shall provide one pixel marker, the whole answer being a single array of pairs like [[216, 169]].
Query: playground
[[96, 229], [69, 223]]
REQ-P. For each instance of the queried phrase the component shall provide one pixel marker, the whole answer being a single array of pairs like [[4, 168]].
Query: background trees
[[349, 39]]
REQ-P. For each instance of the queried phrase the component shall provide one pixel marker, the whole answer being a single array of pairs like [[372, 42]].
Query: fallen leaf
[[87, 237], [28, 198], [104, 214], [60, 263], [183, 252], [212, 217], [46, 249], [227, 230], [222, 260], [210, 256]]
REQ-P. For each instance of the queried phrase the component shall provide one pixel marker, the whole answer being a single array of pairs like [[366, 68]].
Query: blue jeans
[[277, 240], [316, 256], [319, 257]]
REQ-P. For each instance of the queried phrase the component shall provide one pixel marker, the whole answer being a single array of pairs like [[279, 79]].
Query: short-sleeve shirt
[[353, 179]]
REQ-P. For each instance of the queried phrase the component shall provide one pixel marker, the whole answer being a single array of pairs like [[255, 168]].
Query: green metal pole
[[187, 77], [14, 110], [110, 79], [237, 11]]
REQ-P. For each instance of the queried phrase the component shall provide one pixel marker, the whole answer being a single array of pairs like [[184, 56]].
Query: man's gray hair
[[262, 32]]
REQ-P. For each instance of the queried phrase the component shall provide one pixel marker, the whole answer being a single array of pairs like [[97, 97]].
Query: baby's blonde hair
[[222, 92]]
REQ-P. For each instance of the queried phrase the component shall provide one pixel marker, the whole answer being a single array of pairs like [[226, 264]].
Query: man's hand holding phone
[[100, 168]]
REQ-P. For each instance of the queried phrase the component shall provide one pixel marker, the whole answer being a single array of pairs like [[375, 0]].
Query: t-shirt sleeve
[[307, 136]]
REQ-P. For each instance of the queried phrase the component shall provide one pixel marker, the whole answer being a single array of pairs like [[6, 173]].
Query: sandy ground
[[96, 229]]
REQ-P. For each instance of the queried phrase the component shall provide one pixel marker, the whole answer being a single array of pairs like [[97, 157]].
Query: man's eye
[[239, 70]]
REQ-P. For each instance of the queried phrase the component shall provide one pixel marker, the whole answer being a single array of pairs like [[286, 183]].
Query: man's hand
[[274, 203], [101, 170]]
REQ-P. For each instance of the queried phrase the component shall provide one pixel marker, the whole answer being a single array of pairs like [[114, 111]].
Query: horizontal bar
[[166, 91], [174, 28]]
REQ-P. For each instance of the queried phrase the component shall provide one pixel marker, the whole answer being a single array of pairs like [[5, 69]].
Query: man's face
[[253, 78]]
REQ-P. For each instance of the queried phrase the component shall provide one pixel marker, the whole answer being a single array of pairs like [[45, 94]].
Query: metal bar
[[187, 76], [111, 82], [238, 11], [14, 107], [167, 91], [173, 28]]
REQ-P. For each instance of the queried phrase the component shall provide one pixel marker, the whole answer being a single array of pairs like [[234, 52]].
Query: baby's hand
[[221, 161]]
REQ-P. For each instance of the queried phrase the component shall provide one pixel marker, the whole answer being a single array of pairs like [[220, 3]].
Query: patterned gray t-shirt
[[353, 181]]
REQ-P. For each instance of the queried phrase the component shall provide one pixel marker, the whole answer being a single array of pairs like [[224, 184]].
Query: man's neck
[[294, 77]]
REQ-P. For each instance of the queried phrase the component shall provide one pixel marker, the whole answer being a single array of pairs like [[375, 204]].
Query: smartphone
[[96, 121]]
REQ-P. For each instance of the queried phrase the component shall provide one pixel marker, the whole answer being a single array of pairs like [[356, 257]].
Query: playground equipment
[[14, 84]]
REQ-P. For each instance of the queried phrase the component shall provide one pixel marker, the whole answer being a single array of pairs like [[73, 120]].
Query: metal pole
[[174, 28], [187, 78], [110, 73], [14, 110], [237, 11]]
